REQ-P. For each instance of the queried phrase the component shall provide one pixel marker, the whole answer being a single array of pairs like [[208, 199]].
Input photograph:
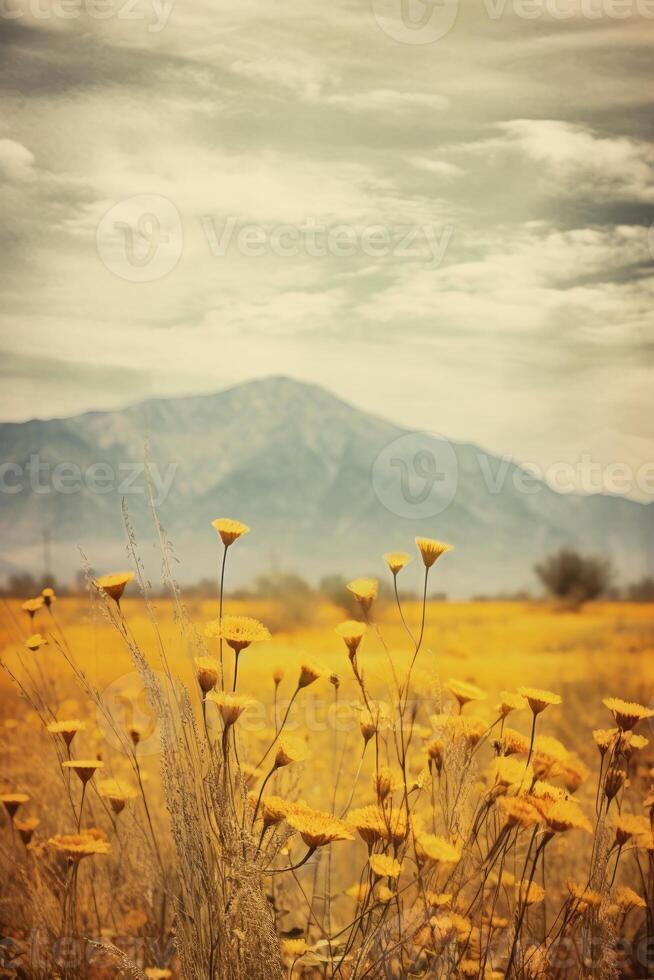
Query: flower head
[[115, 793], [538, 700], [629, 825], [114, 585], [465, 692], [35, 642], [78, 846], [48, 596], [604, 738], [397, 560], [293, 949], [431, 550], [352, 633], [627, 714], [238, 632], [563, 815], [509, 701], [32, 606], [155, 973], [436, 850], [229, 530], [67, 729], [85, 768], [26, 828], [385, 866], [12, 801], [317, 828], [627, 899], [309, 673], [274, 809], [206, 672], [230, 706], [289, 750], [586, 897], [365, 591], [530, 892], [518, 811]]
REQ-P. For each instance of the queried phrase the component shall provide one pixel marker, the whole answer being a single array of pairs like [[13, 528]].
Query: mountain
[[325, 487]]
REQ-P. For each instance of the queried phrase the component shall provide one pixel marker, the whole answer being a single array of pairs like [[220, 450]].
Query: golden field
[[208, 896]]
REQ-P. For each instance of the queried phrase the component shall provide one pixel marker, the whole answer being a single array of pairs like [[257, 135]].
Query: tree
[[569, 575]]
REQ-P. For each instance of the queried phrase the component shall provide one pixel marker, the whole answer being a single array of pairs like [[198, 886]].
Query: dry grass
[[193, 884]]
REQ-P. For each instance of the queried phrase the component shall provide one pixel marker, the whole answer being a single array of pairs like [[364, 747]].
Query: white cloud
[[16, 161]]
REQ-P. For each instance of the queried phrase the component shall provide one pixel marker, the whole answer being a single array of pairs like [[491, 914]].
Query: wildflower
[[368, 726], [230, 706], [238, 631], [78, 846], [518, 811], [206, 672], [397, 560], [135, 733], [435, 751], [116, 794], [438, 899], [335, 680], [114, 585], [629, 825], [384, 866], [67, 729], [293, 949], [289, 751], [12, 801], [384, 783], [530, 893], [584, 896], [431, 550], [365, 591], [274, 809], [626, 899], [573, 772], [549, 756], [32, 606], [510, 702], [49, 596], [538, 700], [470, 730], [514, 743], [229, 530], [613, 782], [35, 642], [633, 743], [317, 828], [26, 828], [542, 790], [604, 738], [358, 892], [627, 714], [154, 973], [352, 633], [563, 815], [308, 674], [84, 768], [465, 692], [278, 676], [507, 771], [436, 850], [368, 821]]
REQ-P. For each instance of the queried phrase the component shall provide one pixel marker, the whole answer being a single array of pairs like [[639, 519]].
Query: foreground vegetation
[[187, 796]]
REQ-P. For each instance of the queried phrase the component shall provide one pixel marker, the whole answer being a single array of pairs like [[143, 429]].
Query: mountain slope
[[303, 468]]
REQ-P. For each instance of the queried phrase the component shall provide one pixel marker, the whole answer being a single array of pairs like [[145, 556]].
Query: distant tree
[[642, 591], [569, 575]]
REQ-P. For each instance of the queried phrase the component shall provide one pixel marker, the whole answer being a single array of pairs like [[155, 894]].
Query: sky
[[439, 211]]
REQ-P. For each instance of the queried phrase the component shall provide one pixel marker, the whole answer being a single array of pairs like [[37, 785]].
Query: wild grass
[[395, 796]]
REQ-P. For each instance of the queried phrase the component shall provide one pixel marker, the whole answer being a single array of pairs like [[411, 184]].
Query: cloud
[[16, 162]]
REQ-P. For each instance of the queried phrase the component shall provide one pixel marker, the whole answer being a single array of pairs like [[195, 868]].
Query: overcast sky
[[445, 221]]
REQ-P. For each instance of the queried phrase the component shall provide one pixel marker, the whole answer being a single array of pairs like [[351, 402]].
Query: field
[[403, 833]]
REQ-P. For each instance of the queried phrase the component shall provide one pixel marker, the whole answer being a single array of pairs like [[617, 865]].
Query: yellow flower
[[431, 550], [627, 714], [384, 783], [518, 811], [530, 893], [114, 585], [358, 891], [274, 809], [67, 729], [629, 825], [206, 672], [514, 743], [26, 828], [308, 674], [563, 815], [436, 850], [368, 821], [238, 631], [154, 973], [229, 530], [465, 692], [613, 782], [84, 768], [35, 642], [230, 706], [627, 899], [397, 560], [365, 591], [352, 633], [48, 596], [293, 949], [604, 738], [289, 751], [510, 702], [78, 846], [538, 700], [584, 896], [507, 771], [116, 794], [385, 866], [435, 751], [278, 676], [317, 828], [12, 801], [32, 606]]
